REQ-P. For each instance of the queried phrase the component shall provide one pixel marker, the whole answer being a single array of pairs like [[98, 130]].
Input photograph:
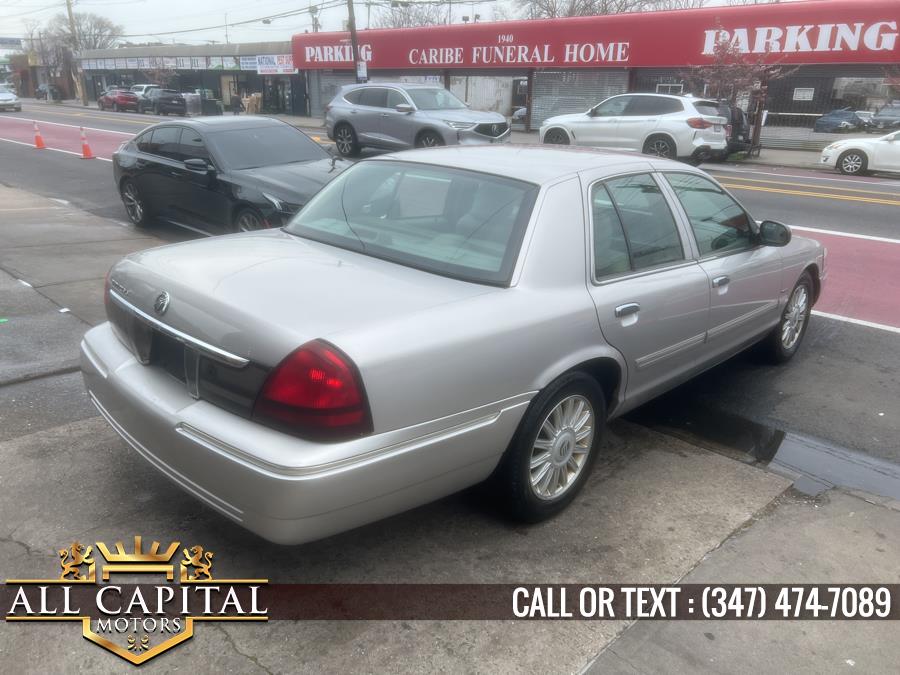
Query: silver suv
[[397, 116], [675, 127]]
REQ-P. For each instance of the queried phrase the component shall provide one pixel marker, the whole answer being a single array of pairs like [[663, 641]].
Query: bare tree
[[650, 5], [552, 9], [404, 14], [91, 31]]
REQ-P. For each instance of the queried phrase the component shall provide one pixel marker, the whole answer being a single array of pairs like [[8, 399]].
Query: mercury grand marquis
[[432, 320]]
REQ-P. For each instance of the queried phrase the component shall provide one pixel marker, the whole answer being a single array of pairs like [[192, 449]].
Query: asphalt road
[[842, 387]]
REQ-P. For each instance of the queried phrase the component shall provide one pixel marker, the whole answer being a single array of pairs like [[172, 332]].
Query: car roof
[[398, 85], [538, 164], [217, 122]]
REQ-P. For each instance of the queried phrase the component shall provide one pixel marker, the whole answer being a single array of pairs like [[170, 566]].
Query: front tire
[[554, 449], [853, 163], [248, 220], [556, 137], [429, 139], [346, 141], [784, 340], [115, 107], [135, 206]]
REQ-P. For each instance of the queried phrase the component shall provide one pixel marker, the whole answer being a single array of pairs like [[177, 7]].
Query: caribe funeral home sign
[[136, 621]]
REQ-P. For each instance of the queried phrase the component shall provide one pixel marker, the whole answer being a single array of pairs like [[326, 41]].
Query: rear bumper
[[286, 489]]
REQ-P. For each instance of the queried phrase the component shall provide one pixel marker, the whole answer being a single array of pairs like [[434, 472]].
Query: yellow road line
[[93, 116], [807, 185], [822, 195]]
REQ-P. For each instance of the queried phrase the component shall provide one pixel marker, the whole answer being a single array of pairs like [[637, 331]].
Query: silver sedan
[[435, 319]]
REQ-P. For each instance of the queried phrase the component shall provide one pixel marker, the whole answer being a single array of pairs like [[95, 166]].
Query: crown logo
[[138, 561]]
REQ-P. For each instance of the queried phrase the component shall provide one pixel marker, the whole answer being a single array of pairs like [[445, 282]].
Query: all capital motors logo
[[136, 621]]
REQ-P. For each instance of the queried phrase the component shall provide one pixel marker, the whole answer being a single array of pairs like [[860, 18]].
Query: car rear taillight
[[728, 130], [315, 392], [699, 123]]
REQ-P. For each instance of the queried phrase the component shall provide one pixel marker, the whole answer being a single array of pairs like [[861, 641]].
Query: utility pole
[[357, 63], [80, 90], [226, 28]]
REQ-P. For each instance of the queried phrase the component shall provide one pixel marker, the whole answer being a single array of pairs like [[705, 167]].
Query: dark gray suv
[[397, 116]]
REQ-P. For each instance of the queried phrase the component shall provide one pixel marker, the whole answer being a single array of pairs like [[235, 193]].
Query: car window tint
[[353, 96], [649, 226], [612, 107], [718, 222], [448, 221], [708, 108], [165, 142], [610, 247], [653, 105], [192, 146], [375, 97], [143, 142], [395, 98]]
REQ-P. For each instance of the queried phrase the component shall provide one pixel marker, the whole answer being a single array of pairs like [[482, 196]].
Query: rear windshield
[[434, 99], [708, 108], [456, 223], [169, 91], [264, 146]]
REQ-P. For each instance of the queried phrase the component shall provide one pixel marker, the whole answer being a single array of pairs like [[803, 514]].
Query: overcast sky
[[161, 16]]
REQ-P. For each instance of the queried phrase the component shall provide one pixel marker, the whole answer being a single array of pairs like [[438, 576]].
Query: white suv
[[676, 127]]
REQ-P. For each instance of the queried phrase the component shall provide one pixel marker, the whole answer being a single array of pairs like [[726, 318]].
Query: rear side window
[[353, 96], [375, 97], [653, 105], [647, 220], [165, 142], [143, 142]]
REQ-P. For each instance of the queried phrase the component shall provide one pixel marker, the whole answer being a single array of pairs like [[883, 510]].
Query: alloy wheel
[[556, 137], [660, 148], [133, 205], [344, 140], [794, 317], [428, 141], [562, 446], [248, 221], [851, 163]]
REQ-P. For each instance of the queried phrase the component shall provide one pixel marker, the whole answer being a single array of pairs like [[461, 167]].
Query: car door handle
[[626, 309], [718, 282]]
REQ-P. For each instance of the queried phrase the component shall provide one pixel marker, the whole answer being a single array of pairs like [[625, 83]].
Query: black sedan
[[162, 101], [221, 174]]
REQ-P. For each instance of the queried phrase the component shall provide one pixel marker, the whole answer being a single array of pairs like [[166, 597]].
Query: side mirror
[[772, 233], [403, 108], [197, 165]]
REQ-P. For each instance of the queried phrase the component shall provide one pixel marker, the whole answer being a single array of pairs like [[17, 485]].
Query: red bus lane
[[863, 277], [65, 137]]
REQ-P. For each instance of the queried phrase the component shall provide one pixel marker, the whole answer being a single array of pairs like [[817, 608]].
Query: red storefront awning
[[830, 31]]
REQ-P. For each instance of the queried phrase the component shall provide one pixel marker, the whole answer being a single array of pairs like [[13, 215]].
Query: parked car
[[839, 121], [888, 117], [519, 114], [861, 155], [397, 116], [737, 130], [163, 102], [221, 174], [9, 100], [118, 99], [433, 319], [674, 127], [144, 89], [48, 92]]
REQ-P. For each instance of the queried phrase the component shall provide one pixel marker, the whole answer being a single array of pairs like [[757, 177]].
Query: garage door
[[558, 92]]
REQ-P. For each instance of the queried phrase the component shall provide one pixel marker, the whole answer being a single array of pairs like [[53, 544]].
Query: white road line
[[30, 208], [68, 152], [839, 233], [73, 126], [715, 167], [858, 322]]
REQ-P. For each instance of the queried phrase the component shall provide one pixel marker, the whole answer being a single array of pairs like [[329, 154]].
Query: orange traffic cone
[[85, 148], [38, 139]]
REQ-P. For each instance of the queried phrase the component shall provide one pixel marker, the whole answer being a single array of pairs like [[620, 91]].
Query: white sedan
[[857, 156]]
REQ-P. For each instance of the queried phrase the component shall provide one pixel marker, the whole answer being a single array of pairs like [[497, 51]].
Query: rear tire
[[660, 146], [784, 340], [556, 137], [554, 449], [346, 141], [135, 206], [853, 163]]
